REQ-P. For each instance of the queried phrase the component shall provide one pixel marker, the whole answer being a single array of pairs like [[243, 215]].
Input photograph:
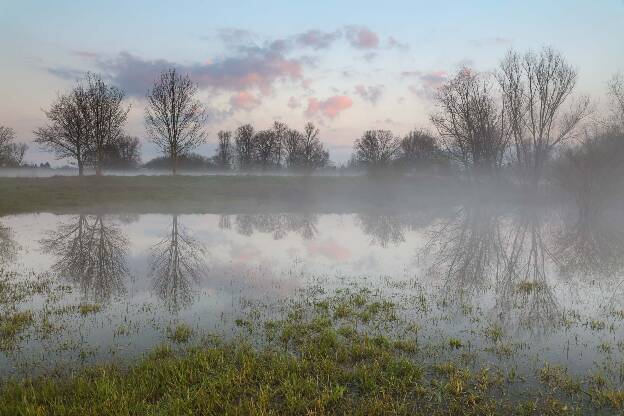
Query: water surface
[[549, 278]]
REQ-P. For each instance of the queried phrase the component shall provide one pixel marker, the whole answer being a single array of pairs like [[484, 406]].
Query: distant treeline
[[523, 118]]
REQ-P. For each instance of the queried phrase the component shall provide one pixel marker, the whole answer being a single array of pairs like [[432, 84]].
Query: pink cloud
[[316, 39], [330, 107], [244, 253], [248, 68], [293, 103], [394, 43], [328, 249], [362, 38], [430, 82], [371, 93], [244, 101]]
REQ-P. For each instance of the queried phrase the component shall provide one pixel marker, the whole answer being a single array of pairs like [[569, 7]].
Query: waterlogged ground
[[534, 293]]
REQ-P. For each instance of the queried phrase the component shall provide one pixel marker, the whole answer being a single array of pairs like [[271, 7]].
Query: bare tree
[[292, 148], [268, 148], [123, 154], [105, 116], [417, 149], [376, 149], [535, 87], [7, 136], [177, 261], [67, 132], [616, 94], [470, 123], [592, 172], [223, 155], [174, 117], [313, 153], [245, 146], [280, 130], [11, 153]]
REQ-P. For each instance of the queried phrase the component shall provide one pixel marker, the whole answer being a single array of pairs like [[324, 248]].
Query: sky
[[347, 66]]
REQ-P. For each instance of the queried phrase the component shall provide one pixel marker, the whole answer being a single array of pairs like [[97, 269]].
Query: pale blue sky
[[368, 65]]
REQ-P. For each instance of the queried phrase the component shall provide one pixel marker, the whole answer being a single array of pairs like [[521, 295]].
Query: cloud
[[235, 37], [66, 73], [329, 249], [252, 67], [361, 37], [394, 43], [430, 82], [293, 103], [86, 54], [317, 39], [371, 93], [244, 101], [369, 56], [494, 41], [330, 107]]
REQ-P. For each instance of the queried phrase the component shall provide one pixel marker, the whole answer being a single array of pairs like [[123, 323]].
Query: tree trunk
[[80, 168], [98, 164], [174, 163]]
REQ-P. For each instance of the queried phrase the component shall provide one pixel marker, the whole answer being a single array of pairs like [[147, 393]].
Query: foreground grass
[[202, 194], [324, 357]]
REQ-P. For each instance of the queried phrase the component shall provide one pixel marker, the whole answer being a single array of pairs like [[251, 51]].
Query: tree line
[[524, 118], [516, 118]]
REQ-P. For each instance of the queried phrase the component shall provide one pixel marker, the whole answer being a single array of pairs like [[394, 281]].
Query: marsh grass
[[180, 334], [348, 350], [313, 360], [89, 308], [11, 326]]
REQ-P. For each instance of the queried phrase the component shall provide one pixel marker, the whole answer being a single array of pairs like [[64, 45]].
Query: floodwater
[[549, 277]]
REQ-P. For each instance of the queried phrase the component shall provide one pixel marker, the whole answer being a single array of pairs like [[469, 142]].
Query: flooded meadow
[[523, 290]]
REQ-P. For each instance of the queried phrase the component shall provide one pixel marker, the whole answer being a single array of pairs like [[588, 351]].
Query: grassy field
[[208, 194]]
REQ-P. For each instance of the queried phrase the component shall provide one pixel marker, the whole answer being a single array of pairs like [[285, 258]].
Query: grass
[[527, 287], [211, 193], [311, 361], [180, 334], [89, 308], [12, 325]]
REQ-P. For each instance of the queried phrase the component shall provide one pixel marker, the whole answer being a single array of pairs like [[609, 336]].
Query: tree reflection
[[590, 244], [482, 249], [382, 228], [8, 246], [224, 222], [523, 286], [91, 253], [278, 225], [467, 248], [176, 262]]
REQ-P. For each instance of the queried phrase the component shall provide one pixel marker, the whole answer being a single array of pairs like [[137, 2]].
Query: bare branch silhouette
[[278, 225], [535, 88], [176, 262], [174, 117], [92, 254]]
